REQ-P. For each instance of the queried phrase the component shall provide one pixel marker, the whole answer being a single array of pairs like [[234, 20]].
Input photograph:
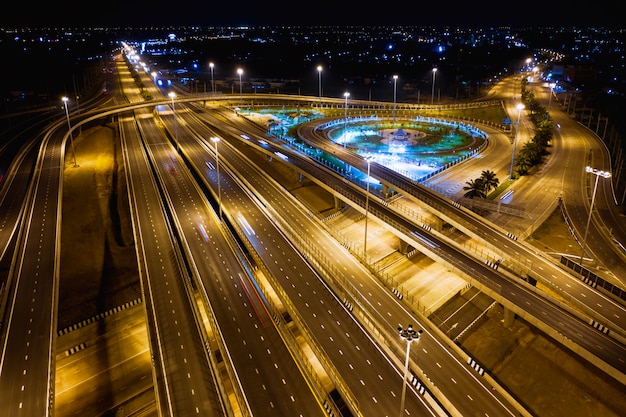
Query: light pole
[[69, 127], [519, 107], [552, 85], [345, 119], [367, 202], [598, 174], [172, 95], [319, 77], [219, 189], [80, 128], [212, 66], [408, 334], [395, 79], [432, 95], [240, 71]]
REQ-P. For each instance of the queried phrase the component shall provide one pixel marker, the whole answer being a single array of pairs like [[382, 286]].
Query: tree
[[489, 180], [523, 163], [532, 151], [474, 188]]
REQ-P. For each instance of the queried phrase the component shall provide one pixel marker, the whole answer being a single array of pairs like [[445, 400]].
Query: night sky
[[466, 13]]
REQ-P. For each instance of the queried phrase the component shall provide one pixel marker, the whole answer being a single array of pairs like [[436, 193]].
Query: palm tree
[[523, 163], [532, 151], [474, 188], [489, 180]]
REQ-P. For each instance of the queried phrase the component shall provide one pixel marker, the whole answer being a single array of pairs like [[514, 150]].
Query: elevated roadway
[[322, 248]]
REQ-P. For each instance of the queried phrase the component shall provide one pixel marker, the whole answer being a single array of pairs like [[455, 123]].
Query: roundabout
[[418, 148]]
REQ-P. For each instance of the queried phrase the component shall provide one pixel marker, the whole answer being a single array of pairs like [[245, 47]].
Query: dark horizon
[[133, 13]]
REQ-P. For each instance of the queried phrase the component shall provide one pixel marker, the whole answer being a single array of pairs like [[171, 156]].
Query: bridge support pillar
[[437, 223], [385, 189], [404, 247], [509, 317], [337, 202]]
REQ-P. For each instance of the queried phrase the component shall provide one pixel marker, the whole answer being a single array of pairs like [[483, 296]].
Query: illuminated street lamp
[[519, 107], [367, 202], [432, 96], [408, 334], [69, 127], [212, 66], [319, 77], [552, 85], [345, 118], [395, 79], [219, 190], [172, 95], [598, 174], [240, 71], [80, 127]]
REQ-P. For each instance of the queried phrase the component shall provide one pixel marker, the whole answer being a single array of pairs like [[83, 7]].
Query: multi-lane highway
[[244, 337], [346, 275], [186, 253]]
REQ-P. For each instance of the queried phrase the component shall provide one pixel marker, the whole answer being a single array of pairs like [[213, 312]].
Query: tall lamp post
[[345, 118], [367, 202], [80, 128], [240, 71], [552, 85], [432, 95], [598, 174], [319, 78], [212, 66], [395, 79], [409, 334], [519, 107], [219, 189], [172, 95], [69, 127]]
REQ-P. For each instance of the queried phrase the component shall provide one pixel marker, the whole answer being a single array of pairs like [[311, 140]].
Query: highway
[[185, 382], [347, 276], [27, 363], [313, 307], [520, 260], [31, 207], [200, 246], [243, 335], [252, 202]]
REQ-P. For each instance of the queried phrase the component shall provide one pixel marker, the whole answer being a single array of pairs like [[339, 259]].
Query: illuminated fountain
[[416, 148]]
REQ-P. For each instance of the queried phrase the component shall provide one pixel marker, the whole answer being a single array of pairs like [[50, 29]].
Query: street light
[[552, 85], [211, 66], [319, 77], [219, 189], [519, 107], [408, 334], [395, 78], [598, 174], [367, 202], [240, 71], [432, 96], [69, 127], [345, 119], [80, 128], [172, 95]]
